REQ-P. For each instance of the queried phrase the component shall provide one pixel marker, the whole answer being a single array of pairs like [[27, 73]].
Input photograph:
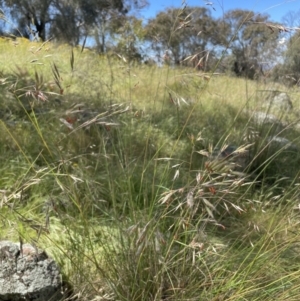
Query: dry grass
[[145, 87]]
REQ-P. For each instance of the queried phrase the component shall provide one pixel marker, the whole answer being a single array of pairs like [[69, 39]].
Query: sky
[[275, 8]]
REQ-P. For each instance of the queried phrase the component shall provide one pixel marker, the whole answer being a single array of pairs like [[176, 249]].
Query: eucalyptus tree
[[250, 39], [30, 15], [287, 70], [64, 19], [127, 34], [183, 32]]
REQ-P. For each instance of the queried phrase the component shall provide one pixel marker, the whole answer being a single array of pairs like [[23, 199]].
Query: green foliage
[[129, 36], [288, 73], [184, 32], [251, 39], [66, 21]]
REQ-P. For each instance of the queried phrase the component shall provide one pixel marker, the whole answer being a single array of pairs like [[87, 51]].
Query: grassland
[[107, 166]]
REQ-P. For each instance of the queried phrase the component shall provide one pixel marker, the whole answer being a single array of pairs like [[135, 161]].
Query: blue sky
[[275, 8]]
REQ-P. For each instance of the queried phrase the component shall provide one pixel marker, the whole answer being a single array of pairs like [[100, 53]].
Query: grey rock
[[28, 274], [225, 152], [280, 142], [278, 100], [267, 123], [275, 158], [231, 154], [264, 118], [282, 101], [297, 126]]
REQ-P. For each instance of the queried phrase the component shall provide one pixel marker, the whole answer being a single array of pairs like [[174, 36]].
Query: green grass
[[123, 196]]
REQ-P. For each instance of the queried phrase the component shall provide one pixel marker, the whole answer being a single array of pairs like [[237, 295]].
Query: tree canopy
[[183, 32], [249, 39], [64, 20], [287, 70]]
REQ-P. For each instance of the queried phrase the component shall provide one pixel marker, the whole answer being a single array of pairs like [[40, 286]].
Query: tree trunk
[[40, 28]]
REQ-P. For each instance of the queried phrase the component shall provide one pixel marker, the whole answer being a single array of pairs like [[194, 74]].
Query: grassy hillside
[[113, 169]]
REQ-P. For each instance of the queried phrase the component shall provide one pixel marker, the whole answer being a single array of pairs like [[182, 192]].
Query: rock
[[277, 100], [264, 118], [275, 159], [297, 126], [28, 274], [282, 143], [267, 123], [224, 152], [282, 101], [238, 159]]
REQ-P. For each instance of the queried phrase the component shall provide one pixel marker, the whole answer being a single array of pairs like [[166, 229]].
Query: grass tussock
[[148, 183]]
